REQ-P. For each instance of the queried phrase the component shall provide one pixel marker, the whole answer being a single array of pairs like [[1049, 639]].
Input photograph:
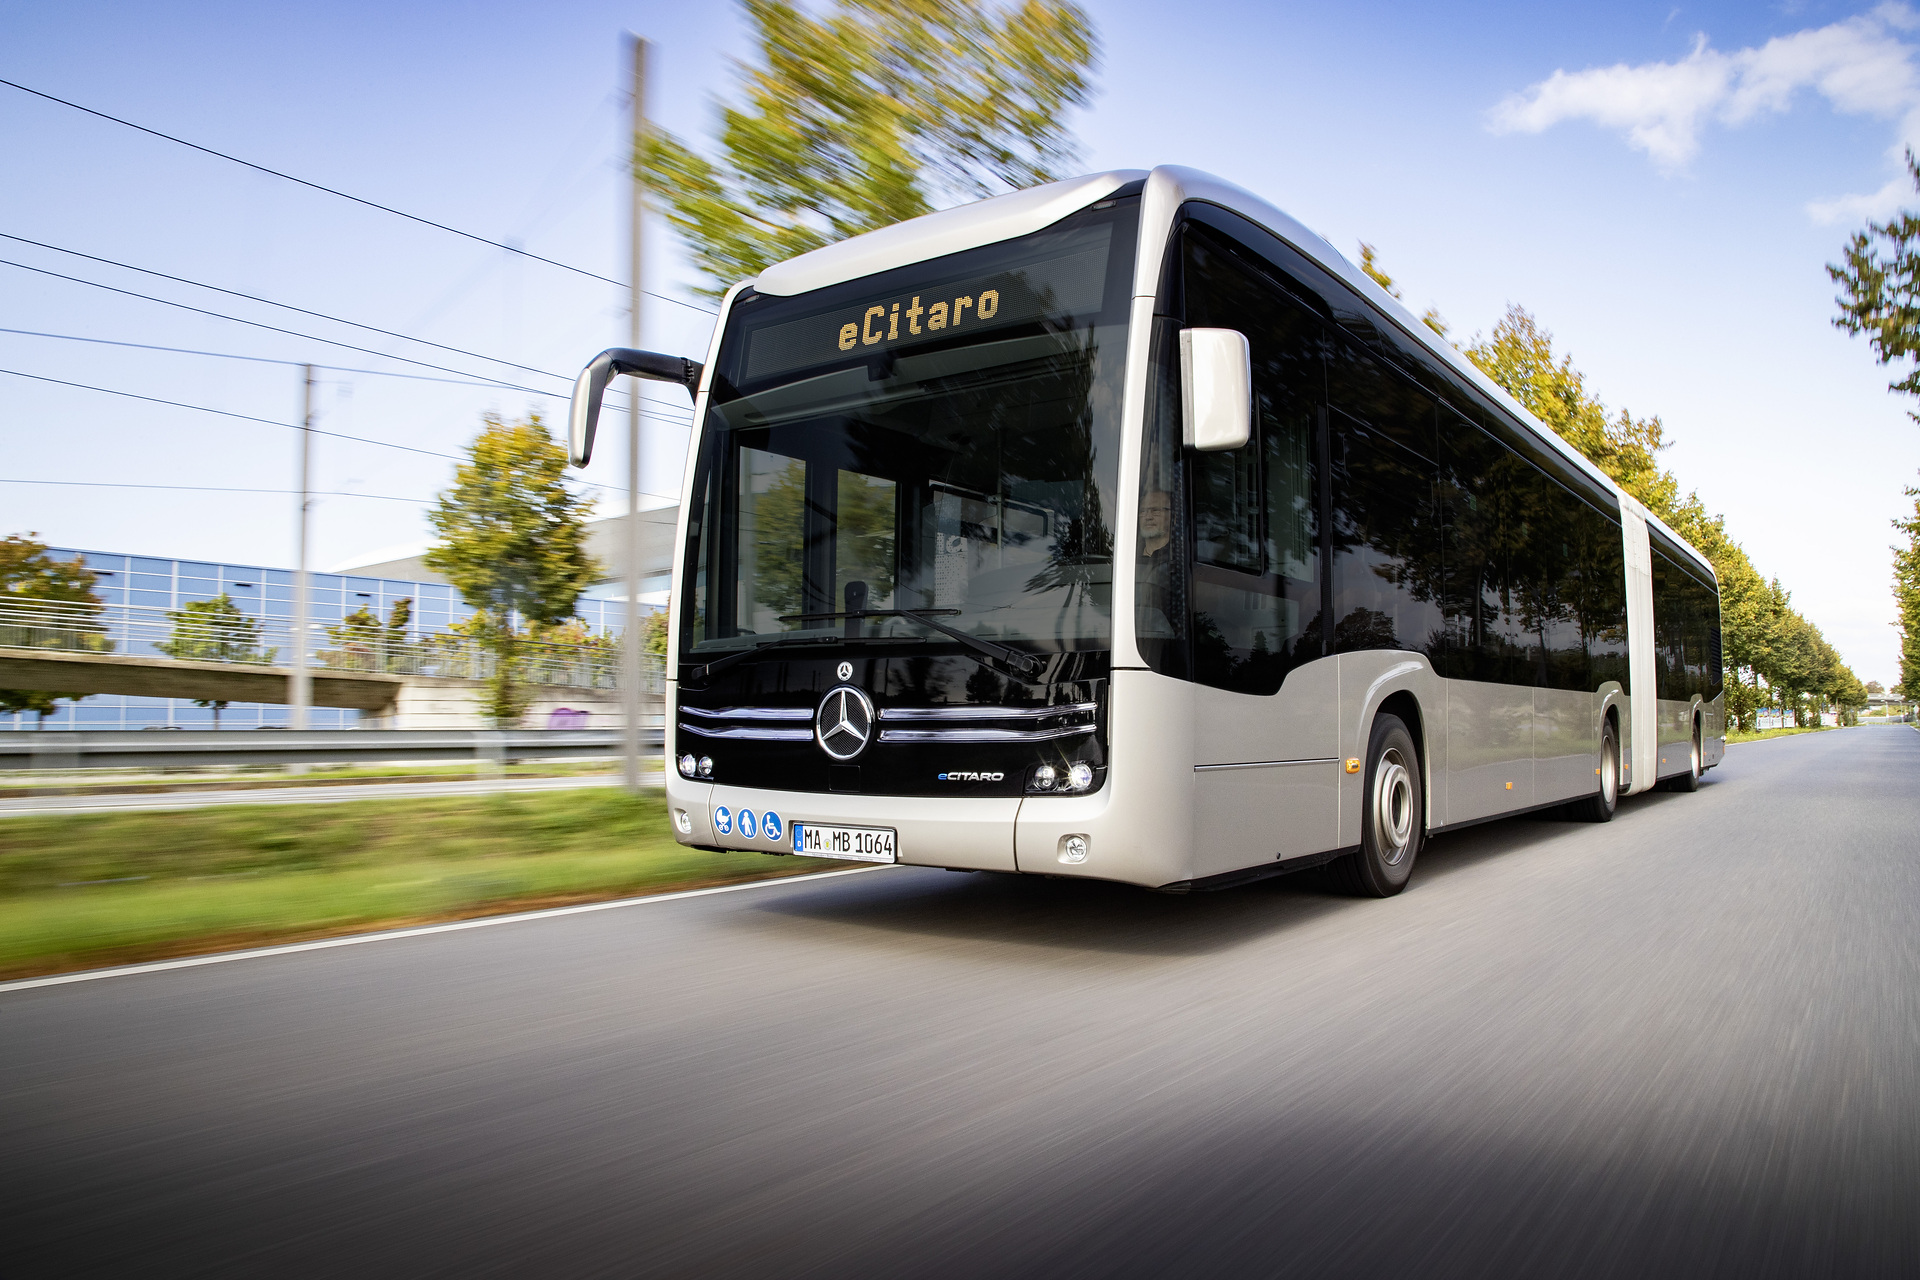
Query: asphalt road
[[1686, 1043]]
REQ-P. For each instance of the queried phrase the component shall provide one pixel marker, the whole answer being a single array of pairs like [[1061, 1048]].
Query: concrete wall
[[423, 703]]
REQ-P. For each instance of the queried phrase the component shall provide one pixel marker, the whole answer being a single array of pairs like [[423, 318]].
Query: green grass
[[83, 781], [215, 879], [1761, 735]]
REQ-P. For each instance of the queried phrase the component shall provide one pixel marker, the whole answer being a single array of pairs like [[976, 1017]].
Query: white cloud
[[1861, 66]]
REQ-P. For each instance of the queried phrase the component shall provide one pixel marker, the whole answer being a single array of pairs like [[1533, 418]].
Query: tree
[[215, 630], [364, 643], [513, 541], [1880, 288], [1879, 281], [654, 634], [1906, 598], [64, 614], [873, 112]]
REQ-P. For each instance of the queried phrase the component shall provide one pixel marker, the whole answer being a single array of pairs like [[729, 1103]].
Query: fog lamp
[[1073, 849], [706, 766], [686, 766], [1080, 777], [682, 823]]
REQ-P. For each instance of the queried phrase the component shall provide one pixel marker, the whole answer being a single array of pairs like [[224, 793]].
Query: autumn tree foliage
[[861, 113]]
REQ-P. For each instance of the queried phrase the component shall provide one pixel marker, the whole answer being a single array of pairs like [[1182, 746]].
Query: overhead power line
[[228, 355], [272, 328], [311, 337], [204, 488], [683, 420], [269, 422], [284, 306], [371, 204], [244, 417]]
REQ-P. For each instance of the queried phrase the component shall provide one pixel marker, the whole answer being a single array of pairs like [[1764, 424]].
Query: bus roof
[[1166, 189]]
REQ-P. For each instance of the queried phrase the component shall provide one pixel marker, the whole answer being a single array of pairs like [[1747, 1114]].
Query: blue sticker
[[797, 830], [770, 823], [749, 826], [723, 820]]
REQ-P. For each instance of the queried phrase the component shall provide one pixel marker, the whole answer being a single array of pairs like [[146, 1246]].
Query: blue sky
[[1661, 185]]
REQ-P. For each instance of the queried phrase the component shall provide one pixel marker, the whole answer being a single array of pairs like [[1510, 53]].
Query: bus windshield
[[942, 439]]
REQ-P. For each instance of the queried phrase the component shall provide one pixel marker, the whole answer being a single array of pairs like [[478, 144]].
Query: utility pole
[[630, 632], [300, 686]]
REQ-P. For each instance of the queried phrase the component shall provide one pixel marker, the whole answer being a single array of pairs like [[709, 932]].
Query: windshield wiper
[[778, 642], [1024, 665]]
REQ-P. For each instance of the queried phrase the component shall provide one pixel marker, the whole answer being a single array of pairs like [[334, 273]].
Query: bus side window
[[1160, 562], [1254, 576], [1386, 536]]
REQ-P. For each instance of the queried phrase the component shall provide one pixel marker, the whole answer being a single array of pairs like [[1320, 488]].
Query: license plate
[[859, 844]]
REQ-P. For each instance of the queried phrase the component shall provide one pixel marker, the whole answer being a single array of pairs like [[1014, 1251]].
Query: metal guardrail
[[149, 631], [184, 748]]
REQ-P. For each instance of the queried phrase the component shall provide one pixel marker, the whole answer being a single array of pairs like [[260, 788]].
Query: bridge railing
[[149, 631]]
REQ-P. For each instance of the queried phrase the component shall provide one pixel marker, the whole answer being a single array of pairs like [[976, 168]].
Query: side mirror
[[583, 415], [1216, 380]]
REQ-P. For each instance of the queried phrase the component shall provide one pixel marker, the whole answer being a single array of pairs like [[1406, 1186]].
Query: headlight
[[1049, 779], [687, 766]]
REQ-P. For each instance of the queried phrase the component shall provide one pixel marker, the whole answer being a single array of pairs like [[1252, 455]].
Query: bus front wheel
[[1390, 820]]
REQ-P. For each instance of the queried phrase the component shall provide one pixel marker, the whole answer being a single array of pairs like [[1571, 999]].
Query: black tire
[[1690, 780], [1600, 806], [1391, 816]]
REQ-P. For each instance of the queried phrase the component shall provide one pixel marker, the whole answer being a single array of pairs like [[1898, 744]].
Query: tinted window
[[1386, 543], [1591, 645], [1686, 626], [1478, 594], [1535, 576], [1251, 589]]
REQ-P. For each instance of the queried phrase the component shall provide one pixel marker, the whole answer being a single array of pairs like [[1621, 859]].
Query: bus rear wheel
[[1599, 806], [1690, 780], [1390, 820]]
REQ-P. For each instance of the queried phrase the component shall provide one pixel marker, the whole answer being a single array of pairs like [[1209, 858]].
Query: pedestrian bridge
[[434, 680]]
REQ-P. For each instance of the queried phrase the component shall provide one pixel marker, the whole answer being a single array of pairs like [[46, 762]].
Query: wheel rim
[[1694, 763], [1393, 807], [1609, 776]]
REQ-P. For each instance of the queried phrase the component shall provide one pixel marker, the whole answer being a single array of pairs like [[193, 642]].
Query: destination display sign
[[1071, 280]]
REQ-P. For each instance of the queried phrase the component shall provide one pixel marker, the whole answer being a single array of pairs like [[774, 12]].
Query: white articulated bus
[[1120, 528]]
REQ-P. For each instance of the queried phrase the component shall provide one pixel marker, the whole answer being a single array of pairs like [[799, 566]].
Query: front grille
[[955, 724], [964, 723], [750, 731]]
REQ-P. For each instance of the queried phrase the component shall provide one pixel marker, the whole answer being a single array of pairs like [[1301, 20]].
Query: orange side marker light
[[1353, 764]]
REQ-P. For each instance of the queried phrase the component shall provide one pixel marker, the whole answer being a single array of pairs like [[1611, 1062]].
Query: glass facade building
[[259, 592]]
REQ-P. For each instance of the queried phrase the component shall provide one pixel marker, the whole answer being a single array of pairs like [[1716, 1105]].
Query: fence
[[144, 749], [145, 631]]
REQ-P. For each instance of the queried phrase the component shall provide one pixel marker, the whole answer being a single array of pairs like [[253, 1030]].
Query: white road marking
[[354, 940]]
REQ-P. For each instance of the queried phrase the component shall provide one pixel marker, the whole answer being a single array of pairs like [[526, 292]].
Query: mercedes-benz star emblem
[[846, 671], [844, 723]]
